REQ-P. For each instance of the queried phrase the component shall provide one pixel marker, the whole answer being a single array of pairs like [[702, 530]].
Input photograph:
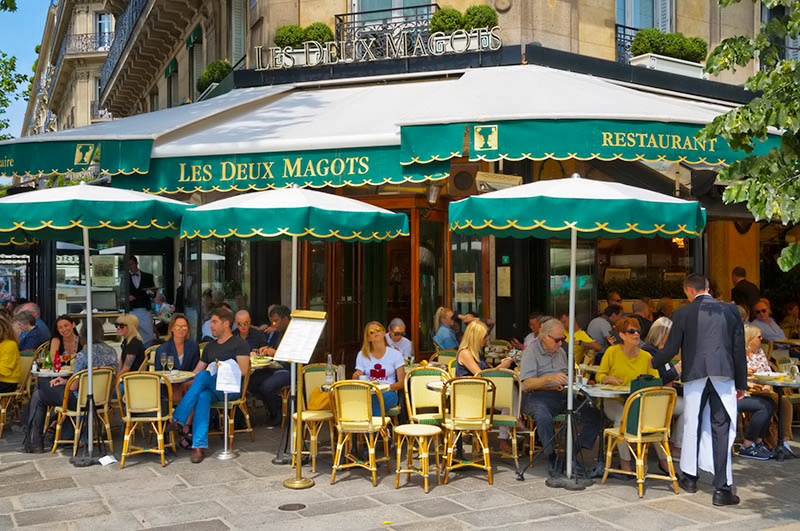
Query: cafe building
[[409, 120]]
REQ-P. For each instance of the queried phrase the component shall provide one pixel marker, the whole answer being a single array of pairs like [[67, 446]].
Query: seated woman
[[656, 339], [761, 401], [50, 392], [132, 346], [377, 361], [65, 341], [10, 369], [621, 364], [443, 323], [183, 351]]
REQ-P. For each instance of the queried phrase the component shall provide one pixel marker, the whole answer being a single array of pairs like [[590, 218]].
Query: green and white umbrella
[[573, 208], [78, 212]]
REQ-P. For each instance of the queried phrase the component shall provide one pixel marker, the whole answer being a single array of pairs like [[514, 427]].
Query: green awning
[[193, 37], [262, 171], [628, 140], [171, 68]]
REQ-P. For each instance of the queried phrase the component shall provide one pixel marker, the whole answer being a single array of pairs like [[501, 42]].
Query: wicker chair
[[17, 397], [143, 405], [507, 395], [423, 405], [313, 420], [241, 404], [464, 402], [103, 379]]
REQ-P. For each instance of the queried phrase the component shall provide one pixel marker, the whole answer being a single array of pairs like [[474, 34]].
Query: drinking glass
[[162, 359], [170, 363]]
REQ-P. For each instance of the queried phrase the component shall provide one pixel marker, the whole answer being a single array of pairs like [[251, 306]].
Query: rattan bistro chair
[[507, 395], [144, 405], [103, 379], [352, 408], [424, 406], [17, 397], [465, 402], [650, 427], [313, 420], [444, 356], [239, 403]]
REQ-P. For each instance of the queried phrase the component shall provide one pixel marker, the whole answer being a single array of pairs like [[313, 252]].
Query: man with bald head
[[255, 338]]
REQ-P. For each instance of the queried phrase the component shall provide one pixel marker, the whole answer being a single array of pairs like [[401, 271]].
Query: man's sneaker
[[765, 450], [753, 452]]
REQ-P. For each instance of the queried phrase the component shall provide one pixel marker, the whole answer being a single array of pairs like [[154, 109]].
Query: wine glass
[[162, 359], [170, 363]]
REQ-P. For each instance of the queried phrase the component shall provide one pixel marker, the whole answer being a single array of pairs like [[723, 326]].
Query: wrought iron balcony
[[89, 42], [382, 22], [100, 113], [123, 30], [624, 39]]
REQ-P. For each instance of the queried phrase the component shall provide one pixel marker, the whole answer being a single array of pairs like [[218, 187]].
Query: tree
[[10, 80], [770, 183]]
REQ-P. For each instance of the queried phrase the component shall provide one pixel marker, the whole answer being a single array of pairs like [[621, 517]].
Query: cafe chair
[[17, 397], [240, 404], [499, 345], [150, 359], [639, 430], [444, 356], [507, 396], [313, 420], [451, 367], [424, 406], [143, 405], [421, 436], [103, 380], [352, 409], [465, 402], [768, 347], [285, 390]]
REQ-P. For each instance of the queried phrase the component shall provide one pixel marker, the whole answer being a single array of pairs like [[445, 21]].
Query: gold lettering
[[641, 139], [291, 169], [651, 141], [699, 144], [363, 163], [712, 142], [182, 178], [309, 169], [619, 139], [676, 141], [196, 173], [322, 169], [224, 166], [660, 143], [334, 170], [267, 169], [631, 140], [607, 138], [207, 174]]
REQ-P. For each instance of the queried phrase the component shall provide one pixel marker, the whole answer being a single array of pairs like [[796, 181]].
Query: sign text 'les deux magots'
[[286, 168], [404, 45]]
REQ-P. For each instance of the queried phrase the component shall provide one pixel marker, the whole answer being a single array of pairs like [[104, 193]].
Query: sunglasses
[[616, 301], [397, 334], [557, 339], [120, 325], [373, 330], [763, 310], [633, 331]]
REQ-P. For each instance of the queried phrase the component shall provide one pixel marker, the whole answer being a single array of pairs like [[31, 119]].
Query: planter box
[[669, 64]]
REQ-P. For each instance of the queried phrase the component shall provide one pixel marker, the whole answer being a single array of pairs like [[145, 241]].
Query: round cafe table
[[176, 377], [48, 373], [780, 451], [601, 392]]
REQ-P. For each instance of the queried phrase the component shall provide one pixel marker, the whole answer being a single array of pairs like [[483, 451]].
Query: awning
[[534, 112], [120, 146]]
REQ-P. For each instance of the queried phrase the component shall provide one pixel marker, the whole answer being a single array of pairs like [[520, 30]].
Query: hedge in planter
[[215, 72], [446, 21], [480, 16], [318, 31], [290, 35], [676, 45]]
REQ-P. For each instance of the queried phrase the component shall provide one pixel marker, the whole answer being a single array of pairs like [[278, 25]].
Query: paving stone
[[118, 521], [189, 494], [357, 503], [639, 517], [367, 519], [180, 513], [411, 492], [59, 514], [271, 500], [43, 485], [486, 499], [532, 490], [6, 522], [6, 507], [202, 477], [590, 500], [515, 513], [439, 524], [126, 486], [10, 479], [202, 525], [690, 510], [261, 520], [433, 507], [630, 493], [58, 497], [112, 474], [141, 498], [561, 523]]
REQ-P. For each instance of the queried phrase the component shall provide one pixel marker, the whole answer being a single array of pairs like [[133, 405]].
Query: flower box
[[663, 63]]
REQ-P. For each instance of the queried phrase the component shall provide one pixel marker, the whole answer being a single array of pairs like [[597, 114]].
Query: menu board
[[301, 336]]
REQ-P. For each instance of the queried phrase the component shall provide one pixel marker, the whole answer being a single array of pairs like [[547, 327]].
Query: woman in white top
[[379, 362]]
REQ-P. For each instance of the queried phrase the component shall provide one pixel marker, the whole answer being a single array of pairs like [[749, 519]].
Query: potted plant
[[300, 40], [453, 32], [215, 72], [670, 52]]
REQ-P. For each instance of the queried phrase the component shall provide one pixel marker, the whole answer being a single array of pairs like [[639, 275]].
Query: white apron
[[699, 454]]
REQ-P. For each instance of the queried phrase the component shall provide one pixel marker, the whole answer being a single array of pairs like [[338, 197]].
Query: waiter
[[139, 299], [710, 336]]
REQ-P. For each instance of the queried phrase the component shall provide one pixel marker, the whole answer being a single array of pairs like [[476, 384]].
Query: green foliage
[[648, 40], [215, 72], [697, 50], [446, 20], [653, 40], [480, 16], [769, 183], [290, 35], [10, 80], [318, 31], [8, 5]]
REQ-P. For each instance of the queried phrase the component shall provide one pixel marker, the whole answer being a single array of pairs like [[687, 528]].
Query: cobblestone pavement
[[38, 491]]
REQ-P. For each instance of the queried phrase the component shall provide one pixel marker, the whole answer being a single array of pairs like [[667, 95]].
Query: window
[[792, 46], [194, 43], [642, 14], [104, 32], [238, 30], [173, 92], [153, 101]]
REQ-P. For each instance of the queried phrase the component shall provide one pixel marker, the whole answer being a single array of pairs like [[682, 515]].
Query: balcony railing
[[624, 39], [123, 30], [382, 22], [100, 113], [89, 42]]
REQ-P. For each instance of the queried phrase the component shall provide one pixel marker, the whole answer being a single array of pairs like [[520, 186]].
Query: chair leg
[[246, 413], [609, 449], [337, 456], [409, 457], [125, 444], [487, 460], [514, 446], [47, 419], [385, 436], [160, 436], [78, 429], [313, 428], [400, 440], [640, 467], [424, 445], [438, 461], [671, 467], [57, 437], [107, 423], [372, 439]]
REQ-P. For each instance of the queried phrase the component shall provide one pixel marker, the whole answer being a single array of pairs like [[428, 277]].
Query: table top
[[177, 376], [604, 390], [382, 386], [787, 341], [777, 383], [589, 368], [436, 385], [46, 373], [264, 362]]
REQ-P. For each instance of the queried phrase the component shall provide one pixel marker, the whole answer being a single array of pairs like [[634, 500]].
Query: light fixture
[[433, 193]]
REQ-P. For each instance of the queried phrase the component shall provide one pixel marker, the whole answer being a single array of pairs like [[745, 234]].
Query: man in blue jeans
[[203, 391]]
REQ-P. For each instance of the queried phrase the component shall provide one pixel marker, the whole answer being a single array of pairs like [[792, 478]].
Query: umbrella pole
[[573, 251]]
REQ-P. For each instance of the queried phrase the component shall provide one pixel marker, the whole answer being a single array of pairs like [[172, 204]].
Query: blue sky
[[20, 32]]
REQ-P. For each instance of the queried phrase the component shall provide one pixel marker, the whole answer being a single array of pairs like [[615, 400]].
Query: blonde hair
[[132, 322], [473, 338], [366, 346], [750, 332], [7, 330], [441, 311]]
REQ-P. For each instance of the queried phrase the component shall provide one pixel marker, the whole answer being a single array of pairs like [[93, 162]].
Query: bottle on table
[[56, 363], [330, 372], [46, 364]]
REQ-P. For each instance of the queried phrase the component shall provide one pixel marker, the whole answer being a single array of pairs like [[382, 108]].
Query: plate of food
[[768, 375]]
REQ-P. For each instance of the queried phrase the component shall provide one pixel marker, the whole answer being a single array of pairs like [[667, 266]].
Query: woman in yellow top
[[621, 364], [10, 370]]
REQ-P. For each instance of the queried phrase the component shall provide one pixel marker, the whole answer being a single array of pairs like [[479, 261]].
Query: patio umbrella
[[75, 213], [574, 207], [293, 213]]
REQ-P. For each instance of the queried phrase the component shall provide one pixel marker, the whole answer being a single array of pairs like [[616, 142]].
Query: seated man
[[396, 338], [255, 338], [267, 383], [37, 312], [33, 334], [203, 390], [544, 375], [761, 318]]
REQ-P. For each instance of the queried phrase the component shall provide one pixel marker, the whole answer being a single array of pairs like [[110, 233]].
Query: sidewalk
[[40, 491]]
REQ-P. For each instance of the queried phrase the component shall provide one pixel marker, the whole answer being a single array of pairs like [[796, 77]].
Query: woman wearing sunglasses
[[132, 346], [379, 362], [621, 364]]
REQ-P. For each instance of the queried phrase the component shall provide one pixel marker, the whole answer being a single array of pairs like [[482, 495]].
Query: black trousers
[[720, 429]]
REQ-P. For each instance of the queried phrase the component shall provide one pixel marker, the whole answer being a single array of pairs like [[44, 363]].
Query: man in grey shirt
[[601, 328], [544, 376]]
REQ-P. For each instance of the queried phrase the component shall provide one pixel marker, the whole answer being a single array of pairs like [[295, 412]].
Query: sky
[[20, 32]]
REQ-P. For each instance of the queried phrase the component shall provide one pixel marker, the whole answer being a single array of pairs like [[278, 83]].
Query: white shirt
[[383, 369], [136, 278], [529, 339], [404, 346]]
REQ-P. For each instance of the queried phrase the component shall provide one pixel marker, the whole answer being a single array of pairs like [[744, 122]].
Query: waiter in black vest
[[710, 336], [139, 299]]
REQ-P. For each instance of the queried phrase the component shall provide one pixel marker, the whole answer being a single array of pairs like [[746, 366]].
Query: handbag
[[641, 382], [319, 400]]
